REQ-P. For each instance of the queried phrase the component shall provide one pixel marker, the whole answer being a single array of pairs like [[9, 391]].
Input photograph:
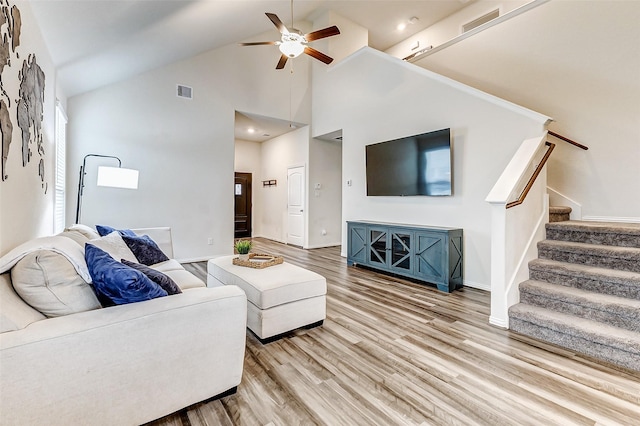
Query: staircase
[[559, 213], [584, 291]]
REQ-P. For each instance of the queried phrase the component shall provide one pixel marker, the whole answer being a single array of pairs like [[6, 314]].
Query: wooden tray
[[258, 261]]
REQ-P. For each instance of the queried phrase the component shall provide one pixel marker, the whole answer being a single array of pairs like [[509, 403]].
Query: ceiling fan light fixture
[[292, 49]]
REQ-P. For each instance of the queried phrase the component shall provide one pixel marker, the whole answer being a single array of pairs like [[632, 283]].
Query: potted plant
[[243, 247]]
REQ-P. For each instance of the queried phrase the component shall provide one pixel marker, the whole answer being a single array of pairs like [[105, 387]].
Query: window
[[59, 217]]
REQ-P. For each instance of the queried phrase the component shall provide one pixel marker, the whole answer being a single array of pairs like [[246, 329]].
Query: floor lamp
[[114, 177]]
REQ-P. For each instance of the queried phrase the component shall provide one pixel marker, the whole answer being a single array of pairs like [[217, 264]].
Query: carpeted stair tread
[[614, 257], [608, 233], [591, 338], [612, 310], [603, 280], [584, 291]]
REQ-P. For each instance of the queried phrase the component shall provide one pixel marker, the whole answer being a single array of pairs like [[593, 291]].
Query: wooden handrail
[[579, 145], [533, 178]]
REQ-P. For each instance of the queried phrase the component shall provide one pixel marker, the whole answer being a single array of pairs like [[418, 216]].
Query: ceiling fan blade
[[318, 55], [326, 32], [282, 62], [258, 43], [277, 22]]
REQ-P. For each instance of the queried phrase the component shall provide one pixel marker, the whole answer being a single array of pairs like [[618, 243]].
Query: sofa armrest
[[125, 364]]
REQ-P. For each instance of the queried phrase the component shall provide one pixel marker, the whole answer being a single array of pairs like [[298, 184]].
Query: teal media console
[[424, 253]]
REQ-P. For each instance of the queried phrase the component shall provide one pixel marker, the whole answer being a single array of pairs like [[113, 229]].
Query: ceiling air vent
[[185, 92], [481, 20]]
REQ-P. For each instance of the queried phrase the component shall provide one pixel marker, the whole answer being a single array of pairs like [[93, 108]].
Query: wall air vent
[[185, 92], [481, 20]]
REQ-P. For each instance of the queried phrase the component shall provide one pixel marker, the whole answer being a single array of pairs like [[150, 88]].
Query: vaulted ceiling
[[98, 42]]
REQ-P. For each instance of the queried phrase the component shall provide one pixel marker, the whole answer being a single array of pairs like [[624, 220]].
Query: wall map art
[[29, 107]]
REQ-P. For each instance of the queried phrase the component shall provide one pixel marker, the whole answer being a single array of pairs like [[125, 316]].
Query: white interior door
[[295, 205]]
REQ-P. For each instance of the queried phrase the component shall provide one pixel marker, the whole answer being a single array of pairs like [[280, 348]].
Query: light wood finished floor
[[394, 352]]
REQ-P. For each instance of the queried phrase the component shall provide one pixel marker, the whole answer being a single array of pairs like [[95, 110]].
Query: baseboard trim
[[324, 245], [498, 322], [611, 219], [479, 286]]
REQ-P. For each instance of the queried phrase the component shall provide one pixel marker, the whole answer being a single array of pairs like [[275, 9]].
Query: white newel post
[[515, 232], [499, 307]]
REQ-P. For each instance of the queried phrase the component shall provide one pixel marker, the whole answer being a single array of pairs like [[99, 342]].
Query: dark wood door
[[242, 191]]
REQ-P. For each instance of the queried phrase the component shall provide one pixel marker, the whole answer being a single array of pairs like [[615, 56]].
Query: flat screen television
[[414, 165]]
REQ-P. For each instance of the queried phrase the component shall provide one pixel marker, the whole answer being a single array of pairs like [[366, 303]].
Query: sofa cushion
[[106, 230], [117, 282], [115, 246], [157, 277], [88, 232], [49, 283], [14, 313], [168, 265], [185, 279], [145, 249]]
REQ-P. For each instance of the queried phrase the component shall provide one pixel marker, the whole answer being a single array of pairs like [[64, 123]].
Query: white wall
[[278, 154], [325, 203], [351, 38], [26, 210], [451, 26], [248, 156], [184, 149], [374, 97], [579, 62]]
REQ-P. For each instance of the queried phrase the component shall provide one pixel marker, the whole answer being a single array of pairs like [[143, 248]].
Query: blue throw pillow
[[117, 282], [145, 249], [106, 230], [157, 277]]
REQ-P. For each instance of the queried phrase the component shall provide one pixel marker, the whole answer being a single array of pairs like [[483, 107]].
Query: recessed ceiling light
[[251, 130], [401, 26]]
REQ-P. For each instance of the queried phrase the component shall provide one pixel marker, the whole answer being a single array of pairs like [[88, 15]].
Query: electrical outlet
[[210, 241]]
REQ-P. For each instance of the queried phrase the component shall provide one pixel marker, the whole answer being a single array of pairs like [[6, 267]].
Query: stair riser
[[558, 217], [626, 318], [595, 284], [604, 238], [602, 261], [592, 348]]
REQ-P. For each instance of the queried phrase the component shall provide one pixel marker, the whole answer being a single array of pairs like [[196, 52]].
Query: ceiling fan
[[293, 43]]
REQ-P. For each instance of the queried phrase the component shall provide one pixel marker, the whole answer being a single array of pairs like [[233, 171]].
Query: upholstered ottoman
[[280, 298]]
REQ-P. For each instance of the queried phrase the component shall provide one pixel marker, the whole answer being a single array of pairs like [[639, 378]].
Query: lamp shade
[[117, 177]]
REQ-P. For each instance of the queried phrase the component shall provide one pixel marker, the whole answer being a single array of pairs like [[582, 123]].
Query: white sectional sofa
[[126, 364]]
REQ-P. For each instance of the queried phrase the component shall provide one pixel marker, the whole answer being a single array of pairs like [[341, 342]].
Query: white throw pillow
[[49, 283], [115, 246], [88, 232]]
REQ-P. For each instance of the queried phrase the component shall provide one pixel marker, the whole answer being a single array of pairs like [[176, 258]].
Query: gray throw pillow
[[49, 283], [157, 277]]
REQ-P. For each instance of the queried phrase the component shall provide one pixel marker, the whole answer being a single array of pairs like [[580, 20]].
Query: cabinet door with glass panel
[[390, 249]]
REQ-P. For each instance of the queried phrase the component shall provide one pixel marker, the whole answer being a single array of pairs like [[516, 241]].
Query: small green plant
[[243, 246]]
